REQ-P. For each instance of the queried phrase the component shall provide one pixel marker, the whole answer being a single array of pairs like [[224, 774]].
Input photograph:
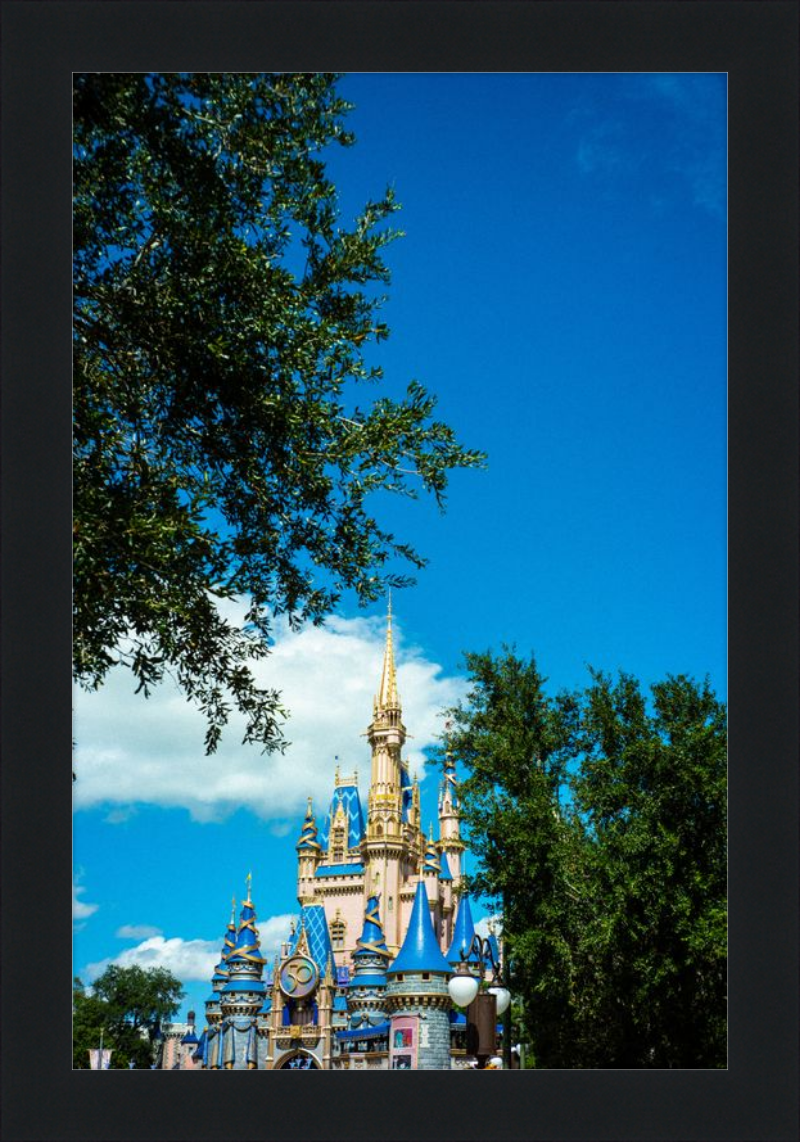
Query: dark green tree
[[652, 788], [221, 329], [129, 1005], [599, 822], [514, 742]]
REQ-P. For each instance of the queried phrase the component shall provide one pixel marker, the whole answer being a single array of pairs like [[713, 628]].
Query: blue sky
[[562, 289]]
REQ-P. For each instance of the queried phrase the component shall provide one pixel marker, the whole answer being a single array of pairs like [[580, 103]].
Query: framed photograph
[[435, 59]]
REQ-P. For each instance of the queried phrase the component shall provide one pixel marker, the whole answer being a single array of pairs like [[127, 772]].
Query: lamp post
[[482, 1007]]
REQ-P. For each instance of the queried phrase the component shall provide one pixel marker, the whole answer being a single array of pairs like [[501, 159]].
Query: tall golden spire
[[387, 695]]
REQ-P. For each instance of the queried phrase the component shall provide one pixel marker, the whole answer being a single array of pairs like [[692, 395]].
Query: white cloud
[[80, 909], [188, 960], [137, 931], [488, 924], [131, 750]]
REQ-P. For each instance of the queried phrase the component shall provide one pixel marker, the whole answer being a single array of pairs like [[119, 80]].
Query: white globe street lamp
[[484, 1007], [503, 996], [463, 988]]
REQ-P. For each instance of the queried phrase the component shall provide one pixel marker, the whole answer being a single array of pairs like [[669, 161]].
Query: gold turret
[[385, 848], [387, 736]]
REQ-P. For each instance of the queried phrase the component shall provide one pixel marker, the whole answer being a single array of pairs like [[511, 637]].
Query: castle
[[362, 983]]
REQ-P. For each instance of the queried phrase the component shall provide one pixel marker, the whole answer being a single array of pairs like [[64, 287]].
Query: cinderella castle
[[362, 982]]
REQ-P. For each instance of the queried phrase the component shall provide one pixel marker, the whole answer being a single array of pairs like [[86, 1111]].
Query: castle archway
[[298, 1061]]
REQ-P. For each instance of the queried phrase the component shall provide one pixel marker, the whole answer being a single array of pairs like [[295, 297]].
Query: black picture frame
[[755, 42]]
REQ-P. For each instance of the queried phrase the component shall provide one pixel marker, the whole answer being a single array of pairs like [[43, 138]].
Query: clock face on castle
[[298, 977]]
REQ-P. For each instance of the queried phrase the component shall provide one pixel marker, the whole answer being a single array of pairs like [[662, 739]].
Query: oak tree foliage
[[128, 1005], [599, 823], [223, 317]]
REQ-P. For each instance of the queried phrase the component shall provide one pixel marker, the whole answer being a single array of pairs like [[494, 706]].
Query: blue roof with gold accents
[[420, 951], [308, 833], [432, 862], [247, 949], [318, 938], [346, 796], [372, 941], [463, 933]]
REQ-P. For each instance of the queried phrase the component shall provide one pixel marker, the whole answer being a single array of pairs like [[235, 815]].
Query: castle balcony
[[298, 1035]]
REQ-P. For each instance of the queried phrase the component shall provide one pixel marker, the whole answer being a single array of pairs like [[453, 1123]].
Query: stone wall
[[424, 998]]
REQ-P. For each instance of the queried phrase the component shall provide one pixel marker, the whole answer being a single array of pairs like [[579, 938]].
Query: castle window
[[338, 928], [337, 844]]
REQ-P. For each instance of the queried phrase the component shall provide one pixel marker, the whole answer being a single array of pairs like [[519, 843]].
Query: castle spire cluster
[[362, 981]]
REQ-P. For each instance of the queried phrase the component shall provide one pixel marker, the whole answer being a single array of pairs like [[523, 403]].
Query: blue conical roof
[[463, 932], [420, 950], [445, 874], [247, 948], [372, 941], [432, 863], [308, 834]]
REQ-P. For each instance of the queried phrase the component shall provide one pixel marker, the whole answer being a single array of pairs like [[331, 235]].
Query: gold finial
[[233, 911], [248, 878], [308, 808]]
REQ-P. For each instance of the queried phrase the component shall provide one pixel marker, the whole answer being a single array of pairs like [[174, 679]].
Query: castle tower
[[366, 993], [241, 998], [417, 998], [218, 981], [353, 857], [450, 844], [448, 900], [431, 871], [385, 848], [309, 853], [189, 1044]]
